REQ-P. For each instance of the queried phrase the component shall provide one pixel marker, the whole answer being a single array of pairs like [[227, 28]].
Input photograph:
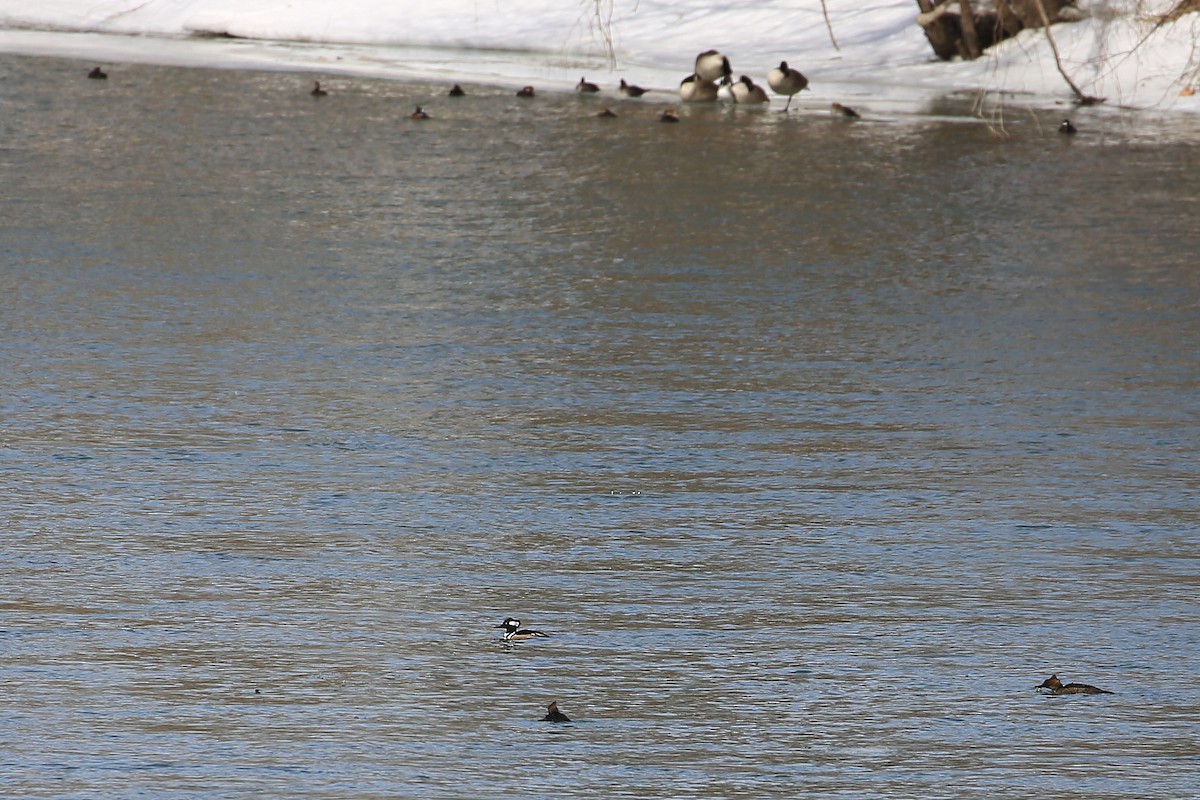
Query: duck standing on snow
[[785, 80]]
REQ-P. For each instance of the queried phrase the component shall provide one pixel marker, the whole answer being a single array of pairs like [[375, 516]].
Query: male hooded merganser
[[1058, 687], [669, 116], [586, 87], [785, 80], [525, 91], [98, 74], [418, 114], [694, 89], [629, 90], [747, 91], [513, 632], [845, 111], [554, 715], [712, 66], [1066, 127], [456, 91]]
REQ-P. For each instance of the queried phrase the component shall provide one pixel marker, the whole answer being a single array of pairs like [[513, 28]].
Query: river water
[[814, 445]]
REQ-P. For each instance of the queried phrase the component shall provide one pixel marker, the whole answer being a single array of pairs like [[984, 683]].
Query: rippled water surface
[[814, 445]]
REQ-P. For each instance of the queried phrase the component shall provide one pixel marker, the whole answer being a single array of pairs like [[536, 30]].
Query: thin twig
[[829, 26], [1080, 97]]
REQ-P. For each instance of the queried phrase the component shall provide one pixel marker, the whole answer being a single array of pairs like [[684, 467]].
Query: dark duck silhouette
[[554, 715], [1055, 686]]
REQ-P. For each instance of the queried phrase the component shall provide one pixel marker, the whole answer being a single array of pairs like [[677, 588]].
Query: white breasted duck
[[785, 80], [1055, 686], [629, 90], [513, 632], [694, 89], [712, 66], [747, 91]]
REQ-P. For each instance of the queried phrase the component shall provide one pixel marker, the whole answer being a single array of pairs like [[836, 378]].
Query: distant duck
[[456, 91], [785, 80], [418, 114], [1058, 687], [513, 632], [98, 74], [586, 87], [694, 89], [525, 91], [317, 91], [554, 715], [669, 116], [606, 113], [1066, 127], [845, 111], [712, 66], [629, 90], [747, 91]]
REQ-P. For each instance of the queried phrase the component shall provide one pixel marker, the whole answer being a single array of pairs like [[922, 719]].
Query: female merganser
[[785, 80], [1058, 687], [97, 74], [845, 111], [554, 715], [456, 91], [317, 91], [586, 87], [669, 116], [513, 632], [606, 113]]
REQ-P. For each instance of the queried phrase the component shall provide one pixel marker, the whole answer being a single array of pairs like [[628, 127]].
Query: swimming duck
[[418, 114], [694, 89], [513, 632], [586, 87], [554, 715], [669, 116], [317, 91], [1066, 127], [1058, 687], [456, 91], [747, 91], [98, 74], [629, 90], [785, 80], [845, 111], [525, 91], [606, 113], [712, 66]]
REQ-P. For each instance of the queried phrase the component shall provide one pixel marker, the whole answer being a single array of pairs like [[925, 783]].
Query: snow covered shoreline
[[880, 54]]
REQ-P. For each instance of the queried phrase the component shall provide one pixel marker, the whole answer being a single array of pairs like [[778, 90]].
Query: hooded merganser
[[586, 87], [554, 715], [694, 89], [418, 114], [317, 91], [669, 116], [712, 66], [1066, 127], [785, 80], [525, 91], [456, 91], [845, 111], [98, 74], [606, 113], [629, 90], [1058, 687], [747, 91], [513, 632]]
